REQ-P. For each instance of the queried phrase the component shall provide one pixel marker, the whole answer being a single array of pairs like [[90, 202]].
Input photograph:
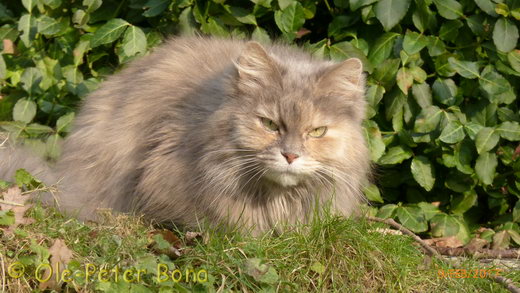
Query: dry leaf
[[501, 240], [60, 257], [8, 46], [302, 32], [386, 231], [15, 201], [190, 237], [451, 241], [482, 229], [174, 247], [475, 245]]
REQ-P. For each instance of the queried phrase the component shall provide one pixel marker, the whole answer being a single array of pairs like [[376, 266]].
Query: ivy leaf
[[290, 19], [382, 48], [444, 225], [414, 42], [187, 25], [485, 167], [453, 132], [449, 9], [386, 211], [509, 130], [260, 35], [419, 75], [461, 203], [429, 210], [31, 79], [38, 129], [260, 271], [423, 172], [385, 73], [242, 15], [134, 41], [29, 4], [463, 155], [516, 212], [412, 218], [505, 35], [422, 94], [428, 119], [374, 140], [155, 7], [53, 3], [436, 46], [390, 12], [395, 155], [73, 77], [472, 129], [345, 50], [445, 90], [27, 25], [372, 193], [404, 79], [7, 218], [24, 111], [49, 26], [92, 5], [487, 6], [492, 82], [514, 59], [486, 139], [374, 94], [3, 68], [64, 122], [52, 146], [465, 68], [109, 32]]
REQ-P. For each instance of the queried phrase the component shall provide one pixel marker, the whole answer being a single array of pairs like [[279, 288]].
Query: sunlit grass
[[331, 254]]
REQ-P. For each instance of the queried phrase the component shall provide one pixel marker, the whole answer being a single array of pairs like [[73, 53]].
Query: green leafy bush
[[442, 86]]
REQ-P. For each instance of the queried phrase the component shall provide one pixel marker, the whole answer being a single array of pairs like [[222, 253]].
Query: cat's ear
[[346, 76], [256, 69]]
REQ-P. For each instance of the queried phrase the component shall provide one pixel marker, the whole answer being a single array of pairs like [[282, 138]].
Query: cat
[[225, 131]]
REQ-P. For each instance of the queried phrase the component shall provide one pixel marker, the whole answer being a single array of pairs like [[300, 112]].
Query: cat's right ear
[[256, 69]]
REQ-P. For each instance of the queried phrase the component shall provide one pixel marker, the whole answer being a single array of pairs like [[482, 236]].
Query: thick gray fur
[[178, 136]]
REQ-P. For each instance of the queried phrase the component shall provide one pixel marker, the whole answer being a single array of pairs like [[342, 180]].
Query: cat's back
[[154, 100]]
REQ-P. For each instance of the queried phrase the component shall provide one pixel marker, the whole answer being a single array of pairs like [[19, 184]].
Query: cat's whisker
[[247, 170]]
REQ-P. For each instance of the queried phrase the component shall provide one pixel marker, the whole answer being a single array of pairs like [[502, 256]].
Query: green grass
[[329, 255]]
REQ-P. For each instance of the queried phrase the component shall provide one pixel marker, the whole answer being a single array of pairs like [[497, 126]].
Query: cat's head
[[298, 117]]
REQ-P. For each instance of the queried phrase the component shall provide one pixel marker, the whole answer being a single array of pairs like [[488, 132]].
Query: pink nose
[[290, 157]]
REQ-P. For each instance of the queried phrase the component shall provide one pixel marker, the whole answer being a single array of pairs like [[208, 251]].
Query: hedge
[[443, 78]]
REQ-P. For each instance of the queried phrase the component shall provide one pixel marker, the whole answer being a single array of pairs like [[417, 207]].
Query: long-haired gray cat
[[224, 131]]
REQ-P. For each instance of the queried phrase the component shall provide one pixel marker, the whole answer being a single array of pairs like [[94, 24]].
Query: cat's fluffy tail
[[14, 158]]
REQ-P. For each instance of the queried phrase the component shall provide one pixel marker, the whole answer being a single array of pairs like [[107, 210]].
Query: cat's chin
[[285, 179]]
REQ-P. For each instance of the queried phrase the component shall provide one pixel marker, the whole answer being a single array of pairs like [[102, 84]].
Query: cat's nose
[[290, 157]]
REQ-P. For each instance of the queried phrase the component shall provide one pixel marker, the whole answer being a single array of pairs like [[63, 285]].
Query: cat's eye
[[269, 124], [318, 132]]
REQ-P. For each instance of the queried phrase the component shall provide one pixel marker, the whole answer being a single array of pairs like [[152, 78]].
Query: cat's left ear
[[256, 68], [345, 76]]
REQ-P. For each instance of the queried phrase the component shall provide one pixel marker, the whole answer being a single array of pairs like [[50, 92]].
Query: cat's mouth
[[285, 178]]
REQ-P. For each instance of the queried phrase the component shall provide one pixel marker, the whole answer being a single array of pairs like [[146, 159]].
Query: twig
[[401, 228], [11, 203], [481, 253], [3, 272], [507, 283]]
